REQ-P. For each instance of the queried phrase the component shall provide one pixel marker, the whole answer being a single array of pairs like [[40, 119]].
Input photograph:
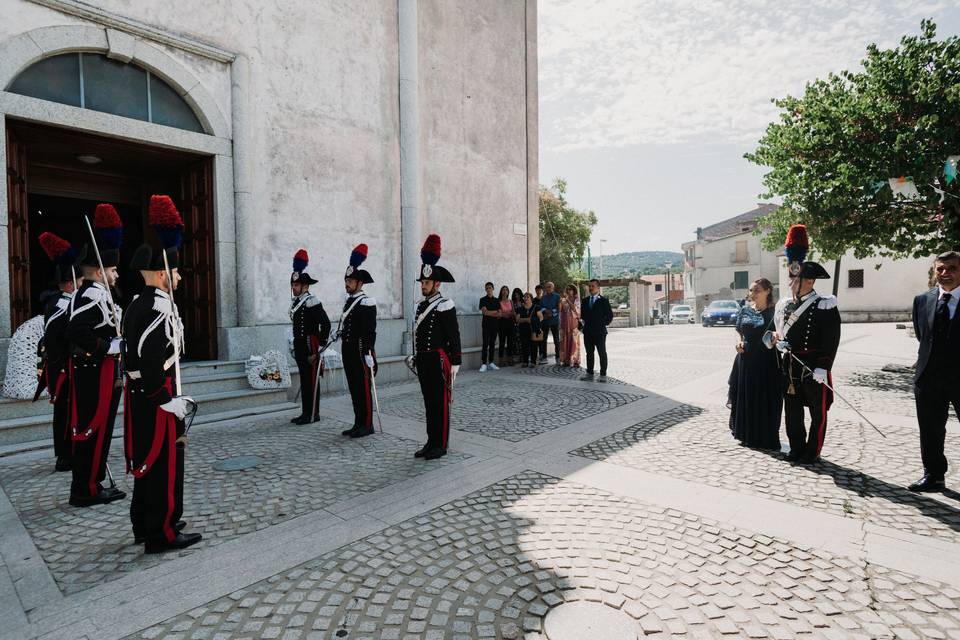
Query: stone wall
[[308, 152]]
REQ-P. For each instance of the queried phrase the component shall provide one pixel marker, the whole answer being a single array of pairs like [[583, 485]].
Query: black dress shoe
[[350, 431], [182, 541], [103, 497], [794, 456], [360, 432], [294, 420], [927, 484], [422, 451], [63, 464], [303, 420], [315, 419], [434, 453], [177, 526], [809, 460]]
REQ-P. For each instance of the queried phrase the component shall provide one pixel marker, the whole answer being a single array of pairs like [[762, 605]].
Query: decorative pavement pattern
[[493, 563], [558, 371], [302, 469], [860, 474], [505, 408]]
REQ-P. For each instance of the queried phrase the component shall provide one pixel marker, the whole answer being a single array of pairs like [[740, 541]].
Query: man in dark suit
[[937, 380], [596, 314]]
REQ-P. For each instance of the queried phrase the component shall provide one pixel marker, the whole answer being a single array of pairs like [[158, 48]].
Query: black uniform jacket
[[360, 327], [439, 328], [309, 319], [91, 325], [815, 336], [56, 347], [148, 329]]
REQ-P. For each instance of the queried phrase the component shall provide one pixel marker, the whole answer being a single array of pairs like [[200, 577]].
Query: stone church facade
[[315, 124]]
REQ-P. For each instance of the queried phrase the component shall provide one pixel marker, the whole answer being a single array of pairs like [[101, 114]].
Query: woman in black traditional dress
[[756, 395]]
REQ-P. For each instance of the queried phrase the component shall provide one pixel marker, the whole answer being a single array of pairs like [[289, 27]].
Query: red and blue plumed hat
[[61, 253], [796, 247], [300, 262], [430, 255], [357, 258], [166, 221]]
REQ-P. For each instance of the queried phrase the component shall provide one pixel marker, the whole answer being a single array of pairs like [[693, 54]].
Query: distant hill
[[636, 263]]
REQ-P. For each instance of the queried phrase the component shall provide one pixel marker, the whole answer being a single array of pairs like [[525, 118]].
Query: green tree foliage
[[833, 150], [564, 235]]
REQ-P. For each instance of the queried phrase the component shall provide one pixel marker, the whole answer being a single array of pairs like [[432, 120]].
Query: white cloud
[[624, 72]]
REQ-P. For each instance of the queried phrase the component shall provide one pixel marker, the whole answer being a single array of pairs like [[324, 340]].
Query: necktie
[[943, 312], [592, 300]]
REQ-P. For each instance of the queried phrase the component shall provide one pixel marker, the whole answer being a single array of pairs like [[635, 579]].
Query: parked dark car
[[720, 312]]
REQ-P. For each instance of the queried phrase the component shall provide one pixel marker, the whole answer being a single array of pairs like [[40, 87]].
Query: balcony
[[740, 258]]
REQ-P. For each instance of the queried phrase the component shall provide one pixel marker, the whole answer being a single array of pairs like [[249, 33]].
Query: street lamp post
[[668, 265], [600, 277]]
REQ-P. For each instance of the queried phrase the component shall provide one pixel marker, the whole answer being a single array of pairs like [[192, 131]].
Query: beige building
[[274, 127], [725, 258]]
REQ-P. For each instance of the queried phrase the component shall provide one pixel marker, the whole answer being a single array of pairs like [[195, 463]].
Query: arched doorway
[[55, 176]]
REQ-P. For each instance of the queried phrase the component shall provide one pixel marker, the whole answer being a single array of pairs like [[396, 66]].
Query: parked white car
[[681, 314]]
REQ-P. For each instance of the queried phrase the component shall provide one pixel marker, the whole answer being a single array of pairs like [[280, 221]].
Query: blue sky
[[647, 106]]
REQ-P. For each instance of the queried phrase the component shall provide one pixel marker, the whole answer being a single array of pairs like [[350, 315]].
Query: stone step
[[196, 381], [201, 419], [37, 427]]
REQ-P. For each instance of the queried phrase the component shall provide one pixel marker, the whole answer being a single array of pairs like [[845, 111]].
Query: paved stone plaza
[[629, 495]]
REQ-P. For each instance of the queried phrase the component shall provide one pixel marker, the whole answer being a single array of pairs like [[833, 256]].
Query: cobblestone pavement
[[860, 475], [493, 563], [502, 407], [671, 532], [302, 469]]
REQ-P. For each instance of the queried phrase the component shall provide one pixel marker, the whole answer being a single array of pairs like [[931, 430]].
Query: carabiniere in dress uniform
[[436, 357], [311, 328], [808, 332], [358, 337], [95, 369], [153, 427], [54, 348]]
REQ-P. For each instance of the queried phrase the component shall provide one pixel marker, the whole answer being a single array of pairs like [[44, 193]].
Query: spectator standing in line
[[517, 299], [596, 314], [550, 305], [527, 325], [505, 327], [490, 309], [570, 327], [937, 382]]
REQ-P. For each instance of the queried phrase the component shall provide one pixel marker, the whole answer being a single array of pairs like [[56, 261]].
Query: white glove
[[782, 346], [369, 360], [115, 344], [177, 406], [820, 375], [454, 368]]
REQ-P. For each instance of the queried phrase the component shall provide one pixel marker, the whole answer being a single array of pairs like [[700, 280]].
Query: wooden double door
[[49, 189]]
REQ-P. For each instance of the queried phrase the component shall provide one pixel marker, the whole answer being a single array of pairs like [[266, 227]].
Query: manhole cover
[[499, 401], [580, 620], [237, 464]]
